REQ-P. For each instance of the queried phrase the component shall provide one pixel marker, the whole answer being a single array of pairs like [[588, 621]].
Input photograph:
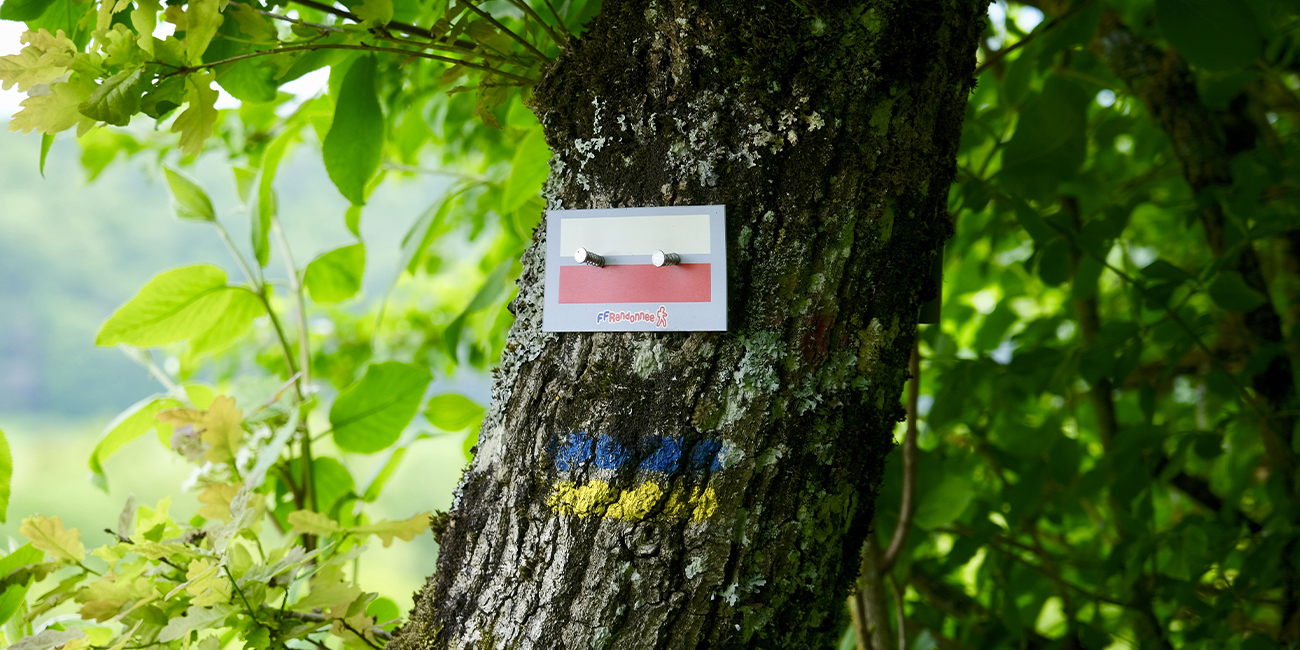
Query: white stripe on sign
[[685, 233]]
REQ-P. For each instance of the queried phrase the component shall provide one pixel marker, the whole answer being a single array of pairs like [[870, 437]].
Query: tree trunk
[[829, 130]]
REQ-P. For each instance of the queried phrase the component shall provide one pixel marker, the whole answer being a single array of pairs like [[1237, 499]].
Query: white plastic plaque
[[646, 270]]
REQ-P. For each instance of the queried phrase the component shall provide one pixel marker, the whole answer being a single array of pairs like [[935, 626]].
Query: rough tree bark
[[829, 130]]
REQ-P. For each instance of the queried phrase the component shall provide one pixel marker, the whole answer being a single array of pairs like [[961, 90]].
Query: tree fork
[[829, 130]]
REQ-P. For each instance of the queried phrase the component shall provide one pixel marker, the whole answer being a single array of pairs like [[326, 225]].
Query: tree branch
[[1002, 53], [1167, 87], [506, 30], [908, 506], [343, 13], [309, 617], [343, 46]]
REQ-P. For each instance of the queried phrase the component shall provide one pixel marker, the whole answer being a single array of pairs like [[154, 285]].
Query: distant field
[[50, 478]]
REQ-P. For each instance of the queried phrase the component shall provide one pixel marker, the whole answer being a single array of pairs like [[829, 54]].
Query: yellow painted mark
[[646, 501]]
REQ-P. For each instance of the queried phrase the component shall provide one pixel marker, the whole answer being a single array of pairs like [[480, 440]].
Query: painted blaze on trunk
[[712, 490]]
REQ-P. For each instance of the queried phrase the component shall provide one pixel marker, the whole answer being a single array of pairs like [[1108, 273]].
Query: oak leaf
[[405, 529], [222, 430], [49, 535]]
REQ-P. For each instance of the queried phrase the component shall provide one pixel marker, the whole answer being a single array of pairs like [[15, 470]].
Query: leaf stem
[[285, 348], [344, 46], [145, 359], [251, 610], [559, 21], [1000, 54], [908, 506], [529, 11], [295, 287], [506, 30], [239, 257], [343, 13]]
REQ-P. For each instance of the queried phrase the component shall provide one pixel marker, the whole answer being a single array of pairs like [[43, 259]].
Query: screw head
[[580, 255], [660, 258]]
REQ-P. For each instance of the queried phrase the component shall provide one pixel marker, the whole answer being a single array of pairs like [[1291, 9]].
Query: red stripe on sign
[[635, 283]]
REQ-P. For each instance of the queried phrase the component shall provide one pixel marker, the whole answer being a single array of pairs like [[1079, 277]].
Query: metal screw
[[661, 258], [584, 256]]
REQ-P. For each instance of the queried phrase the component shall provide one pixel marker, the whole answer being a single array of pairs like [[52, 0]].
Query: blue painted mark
[[705, 454], [660, 454], [573, 452], [667, 454], [610, 454]]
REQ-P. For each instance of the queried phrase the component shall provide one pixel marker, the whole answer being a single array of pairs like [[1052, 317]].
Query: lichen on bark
[[829, 131]]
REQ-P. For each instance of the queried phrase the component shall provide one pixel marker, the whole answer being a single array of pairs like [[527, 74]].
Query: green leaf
[[127, 426], [376, 11], [11, 597], [405, 530], [336, 275], [6, 476], [45, 59], [49, 638], [994, 327], [265, 209], [1213, 34], [47, 140], [23, 10], [202, 20], [369, 415], [493, 286], [188, 198], [312, 523], [528, 171], [1162, 270], [354, 145], [49, 535], [117, 99], [385, 472], [195, 124], [452, 412], [425, 230], [250, 80], [176, 305], [54, 111], [1050, 142], [255, 25], [244, 308], [145, 18], [333, 481], [944, 502], [195, 618], [1230, 291], [1054, 262], [352, 219]]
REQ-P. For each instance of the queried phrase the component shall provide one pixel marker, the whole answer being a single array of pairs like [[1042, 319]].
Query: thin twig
[[234, 250], [908, 506], [495, 23], [318, 618], [359, 634], [251, 613], [343, 46], [295, 287], [343, 13], [385, 35], [1000, 54], [529, 11], [898, 612], [291, 19], [559, 21]]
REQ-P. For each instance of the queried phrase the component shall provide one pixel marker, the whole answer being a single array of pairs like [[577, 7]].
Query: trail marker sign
[[636, 270]]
